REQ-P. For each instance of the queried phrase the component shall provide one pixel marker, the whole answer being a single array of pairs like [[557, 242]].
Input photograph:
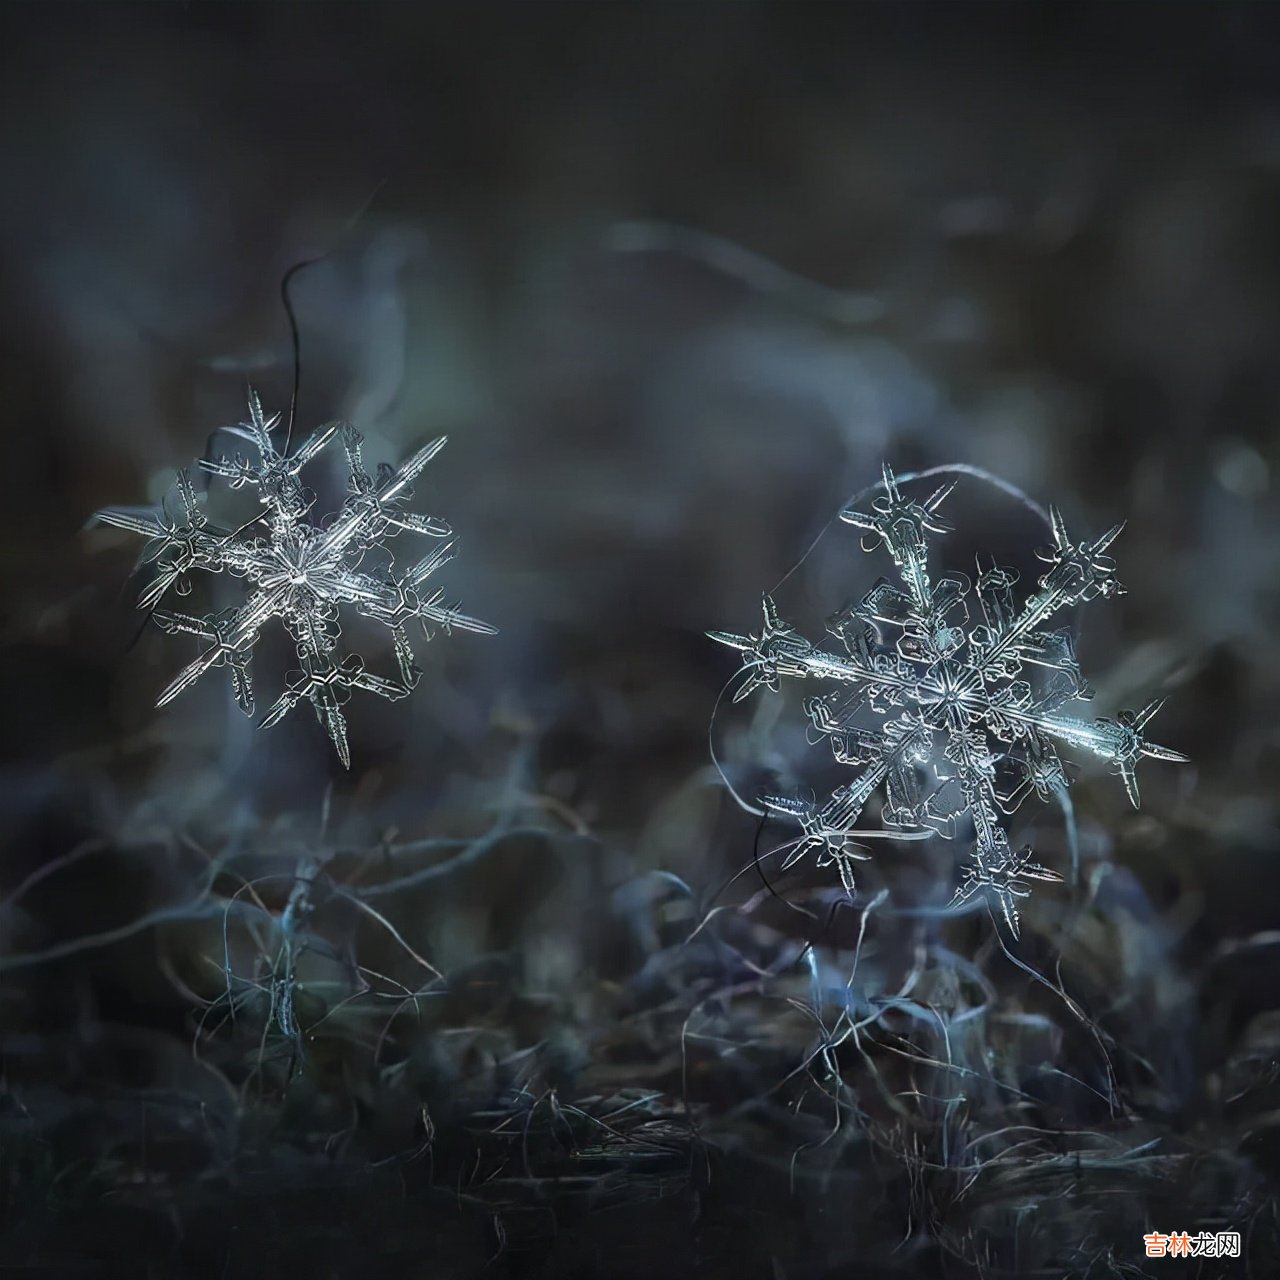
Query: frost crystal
[[914, 677], [300, 571]]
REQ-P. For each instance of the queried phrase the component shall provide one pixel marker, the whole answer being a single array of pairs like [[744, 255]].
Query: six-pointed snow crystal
[[300, 571], [913, 681]]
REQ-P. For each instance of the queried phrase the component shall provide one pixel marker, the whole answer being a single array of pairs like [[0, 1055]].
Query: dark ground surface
[[675, 279]]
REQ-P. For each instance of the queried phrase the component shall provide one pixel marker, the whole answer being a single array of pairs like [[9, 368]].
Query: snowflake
[[914, 678], [299, 571]]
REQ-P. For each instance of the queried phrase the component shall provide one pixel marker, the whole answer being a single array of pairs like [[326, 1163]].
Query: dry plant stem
[[297, 912]]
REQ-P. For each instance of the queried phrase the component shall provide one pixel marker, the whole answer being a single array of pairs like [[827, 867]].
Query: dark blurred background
[[674, 278]]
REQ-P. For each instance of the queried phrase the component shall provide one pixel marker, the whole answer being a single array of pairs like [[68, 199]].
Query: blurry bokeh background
[[674, 279]]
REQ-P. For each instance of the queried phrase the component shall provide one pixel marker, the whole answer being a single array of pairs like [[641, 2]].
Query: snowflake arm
[[372, 512], [234, 634], [900, 525], [327, 686], [1078, 572], [1001, 874], [178, 546], [231, 647], [274, 476], [780, 651], [1118, 741]]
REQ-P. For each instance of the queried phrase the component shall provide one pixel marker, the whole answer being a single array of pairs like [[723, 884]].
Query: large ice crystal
[[958, 723], [299, 571]]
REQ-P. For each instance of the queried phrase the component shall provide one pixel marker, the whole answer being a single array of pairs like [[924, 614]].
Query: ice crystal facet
[[300, 571], [949, 718]]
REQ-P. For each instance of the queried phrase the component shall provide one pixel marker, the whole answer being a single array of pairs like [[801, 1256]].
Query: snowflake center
[[945, 688]]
